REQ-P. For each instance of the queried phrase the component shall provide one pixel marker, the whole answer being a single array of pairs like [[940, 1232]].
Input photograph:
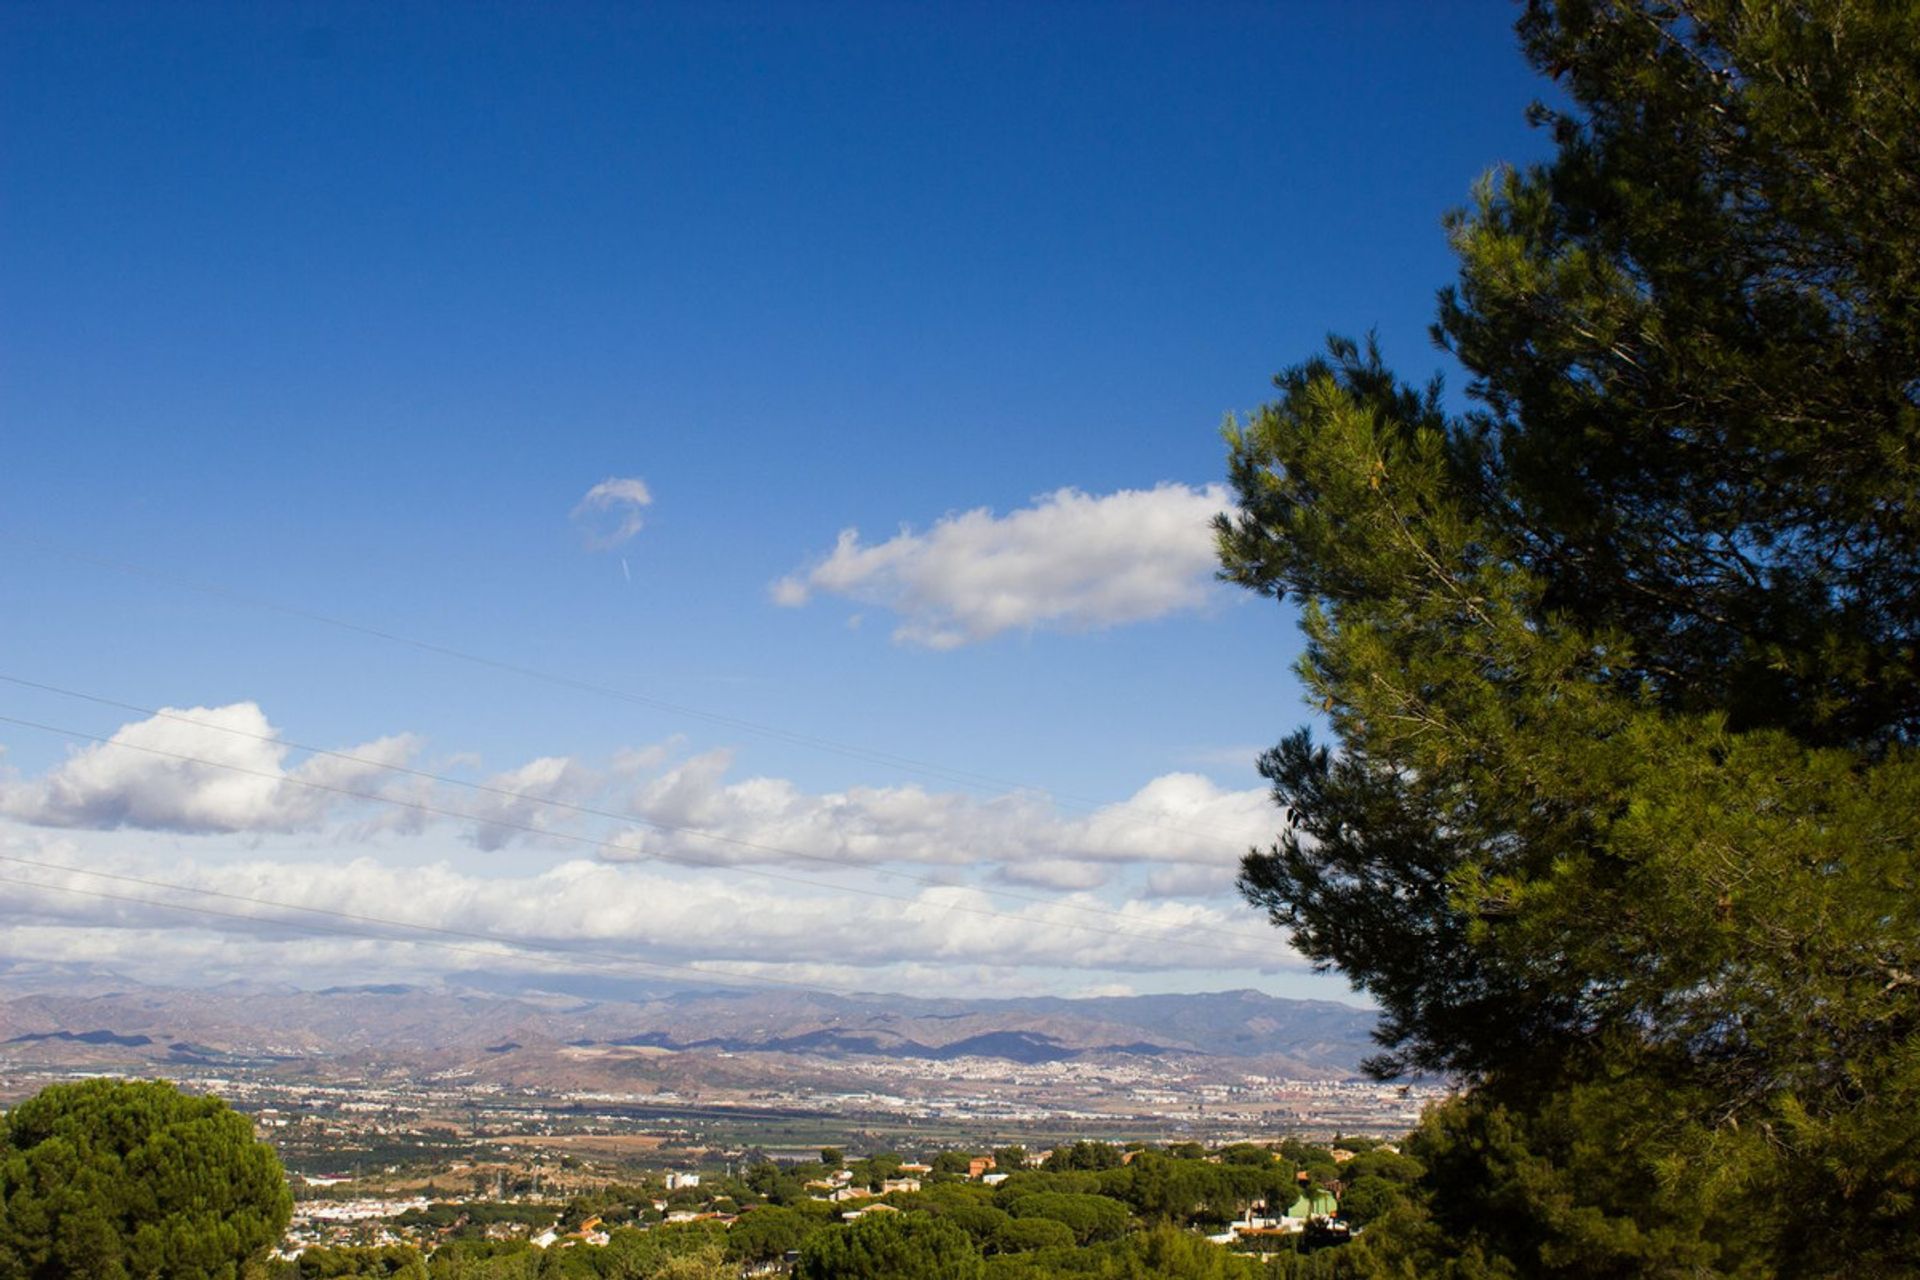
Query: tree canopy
[[891, 1247], [1620, 820], [108, 1179]]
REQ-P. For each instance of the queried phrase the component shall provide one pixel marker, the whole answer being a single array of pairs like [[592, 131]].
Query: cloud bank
[[1178, 819], [581, 914], [224, 770], [651, 854]]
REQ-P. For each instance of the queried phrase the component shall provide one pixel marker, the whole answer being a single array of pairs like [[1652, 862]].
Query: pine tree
[[108, 1179], [1621, 820]]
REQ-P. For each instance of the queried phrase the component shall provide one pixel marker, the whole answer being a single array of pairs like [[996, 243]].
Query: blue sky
[[351, 307]]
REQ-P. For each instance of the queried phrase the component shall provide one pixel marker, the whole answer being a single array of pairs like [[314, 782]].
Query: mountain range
[[497, 1024]]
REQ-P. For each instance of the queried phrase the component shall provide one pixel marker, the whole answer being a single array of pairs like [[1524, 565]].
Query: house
[[978, 1166], [865, 1209], [899, 1184], [677, 1180], [1313, 1203], [1261, 1226]]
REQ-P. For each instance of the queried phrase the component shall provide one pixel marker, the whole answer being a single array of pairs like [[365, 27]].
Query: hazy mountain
[[505, 1025]]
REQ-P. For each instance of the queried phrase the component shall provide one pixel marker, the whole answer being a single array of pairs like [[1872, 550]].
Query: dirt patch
[[607, 1144]]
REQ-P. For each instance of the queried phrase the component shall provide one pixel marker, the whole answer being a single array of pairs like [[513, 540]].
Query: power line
[[591, 842], [572, 807], [959, 777]]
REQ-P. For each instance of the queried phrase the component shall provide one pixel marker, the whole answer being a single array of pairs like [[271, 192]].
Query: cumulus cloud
[[610, 513], [1071, 561], [1186, 880], [537, 797], [200, 770], [593, 913], [1056, 873], [1180, 817], [225, 770], [1176, 819]]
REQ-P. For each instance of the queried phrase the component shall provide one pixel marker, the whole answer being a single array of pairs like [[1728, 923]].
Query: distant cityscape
[[374, 1141]]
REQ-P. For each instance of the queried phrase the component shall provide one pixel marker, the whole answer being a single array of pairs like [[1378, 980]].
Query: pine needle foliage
[[1619, 819], [134, 1180]]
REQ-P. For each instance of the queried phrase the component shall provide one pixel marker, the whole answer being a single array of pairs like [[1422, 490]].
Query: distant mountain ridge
[[483, 1018], [1014, 1046], [98, 1036]]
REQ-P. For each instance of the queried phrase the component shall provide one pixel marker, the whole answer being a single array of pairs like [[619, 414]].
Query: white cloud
[[1072, 561], [596, 915], [1186, 880], [1176, 819], [536, 797], [1056, 873], [224, 770], [610, 513], [1180, 817], [225, 773]]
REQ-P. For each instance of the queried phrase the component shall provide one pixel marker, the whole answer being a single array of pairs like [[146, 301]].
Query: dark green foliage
[[1084, 1155], [694, 1251], [1248, 1153], [1160, 1187], [1369, 1198], [777, 1185], [389, 1262], [1166, 1254], [478, 1214], [766, 1233], [613, 1204], [1158, 1254], [891, 1246], [1091, 1218], [1381, 1163], [1623, 827], [984, 1223], [1033, 1180], [1022, 1235], [113, 1178], [875, 1169], [1165, 1189], [1696, 335], [486, 1260], [1064, 1224]]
